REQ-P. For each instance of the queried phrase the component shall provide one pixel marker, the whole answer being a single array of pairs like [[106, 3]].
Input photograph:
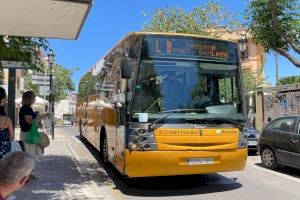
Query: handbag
[[33, 136], [15, 146], [45, 141]]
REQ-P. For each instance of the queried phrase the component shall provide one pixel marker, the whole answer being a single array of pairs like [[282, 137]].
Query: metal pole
[[45, 91], [51, 102], [276, 67], [12, 95]]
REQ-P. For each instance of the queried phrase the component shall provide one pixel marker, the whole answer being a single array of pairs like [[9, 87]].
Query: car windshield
[[164, 85]]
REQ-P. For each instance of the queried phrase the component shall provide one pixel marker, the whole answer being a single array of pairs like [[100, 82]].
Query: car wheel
[[268, 158]]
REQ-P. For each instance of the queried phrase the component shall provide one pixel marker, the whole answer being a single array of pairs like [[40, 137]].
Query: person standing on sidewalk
[[3, 101], [15, 169], [6, 127], [27, 116]]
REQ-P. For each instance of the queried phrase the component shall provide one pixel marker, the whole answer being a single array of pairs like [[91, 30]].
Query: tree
[[202, 20], [276, 25], [251, 80], [288, 80], [63, 81], [22, 49]]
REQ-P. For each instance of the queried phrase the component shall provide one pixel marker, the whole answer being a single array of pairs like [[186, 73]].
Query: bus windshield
[[207, 89], [166, 85]]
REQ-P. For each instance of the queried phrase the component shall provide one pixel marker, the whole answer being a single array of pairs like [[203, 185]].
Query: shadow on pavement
[[166, 186], [293, 172], [252, 153], [58, 177]]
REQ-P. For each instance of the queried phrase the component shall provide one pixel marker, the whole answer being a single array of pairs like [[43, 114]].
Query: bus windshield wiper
[[221, 120], [171, 112]]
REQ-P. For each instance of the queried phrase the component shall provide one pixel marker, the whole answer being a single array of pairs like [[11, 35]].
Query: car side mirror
[[126, 68]]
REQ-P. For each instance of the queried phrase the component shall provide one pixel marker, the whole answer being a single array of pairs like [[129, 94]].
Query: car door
[[280, 133], [295, 145]]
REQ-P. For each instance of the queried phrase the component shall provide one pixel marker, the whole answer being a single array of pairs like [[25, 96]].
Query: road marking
[[76, 139], [72, 150]]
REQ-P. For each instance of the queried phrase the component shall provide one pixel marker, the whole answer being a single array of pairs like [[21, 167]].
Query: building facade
[[66, 106]]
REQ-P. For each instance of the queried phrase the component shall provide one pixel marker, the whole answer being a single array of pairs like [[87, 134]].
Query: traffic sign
[[40, 82], [44, 90], [11, 64], [40, 79]]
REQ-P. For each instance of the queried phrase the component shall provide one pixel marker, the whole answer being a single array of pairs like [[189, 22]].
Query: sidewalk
[[63, 173]]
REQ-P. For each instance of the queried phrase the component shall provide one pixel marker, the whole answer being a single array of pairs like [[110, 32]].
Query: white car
[[67, 122]]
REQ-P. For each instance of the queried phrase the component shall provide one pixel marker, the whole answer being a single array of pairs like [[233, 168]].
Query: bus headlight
[[141, 131], [133, 146], [242, 143], [140, 140]]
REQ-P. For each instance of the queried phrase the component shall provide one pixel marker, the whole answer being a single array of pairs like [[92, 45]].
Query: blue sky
[[110, 20]]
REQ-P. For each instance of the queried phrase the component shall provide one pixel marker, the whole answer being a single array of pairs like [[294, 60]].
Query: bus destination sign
[[189, 48]]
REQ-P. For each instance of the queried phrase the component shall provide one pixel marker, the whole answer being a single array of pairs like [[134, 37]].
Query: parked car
[[67, 122], [279, 143], [252, 138]]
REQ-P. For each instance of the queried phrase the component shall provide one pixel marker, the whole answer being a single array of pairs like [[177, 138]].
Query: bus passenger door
[[120, 135], [121, 120], [110, 121]]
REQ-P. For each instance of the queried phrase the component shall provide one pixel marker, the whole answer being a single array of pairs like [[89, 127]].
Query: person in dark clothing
[[6, 127], [3, 101], [26, 117]]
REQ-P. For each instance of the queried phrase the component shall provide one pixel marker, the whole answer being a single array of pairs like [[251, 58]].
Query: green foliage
[[28, 83], [226, 85], [251, 79], [22, 49], [63, 81], [202, 20], [288, 80], [276, 25]]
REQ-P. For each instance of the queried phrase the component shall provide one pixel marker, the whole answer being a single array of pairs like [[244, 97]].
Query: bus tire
[[104, 149]]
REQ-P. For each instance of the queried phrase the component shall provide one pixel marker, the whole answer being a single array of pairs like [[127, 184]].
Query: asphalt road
[[255, 182]]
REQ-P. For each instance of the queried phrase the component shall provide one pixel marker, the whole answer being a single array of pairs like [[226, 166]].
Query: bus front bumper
[[168, 163]]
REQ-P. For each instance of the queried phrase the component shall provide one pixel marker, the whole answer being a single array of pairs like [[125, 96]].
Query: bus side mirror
[[126, 68]]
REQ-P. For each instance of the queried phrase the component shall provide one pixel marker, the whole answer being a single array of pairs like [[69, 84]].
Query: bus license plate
[[251, 143], [200, 161]]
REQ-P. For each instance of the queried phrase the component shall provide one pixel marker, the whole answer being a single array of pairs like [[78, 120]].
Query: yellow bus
[[161, 104]]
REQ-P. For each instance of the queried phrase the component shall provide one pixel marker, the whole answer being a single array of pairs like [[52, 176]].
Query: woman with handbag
[[27, 118], [6, 127]]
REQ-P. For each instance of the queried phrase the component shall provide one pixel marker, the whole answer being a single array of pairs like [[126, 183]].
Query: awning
[[43, 18]]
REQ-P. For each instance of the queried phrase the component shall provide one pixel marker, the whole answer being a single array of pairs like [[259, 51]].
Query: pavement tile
[[58, 176]]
